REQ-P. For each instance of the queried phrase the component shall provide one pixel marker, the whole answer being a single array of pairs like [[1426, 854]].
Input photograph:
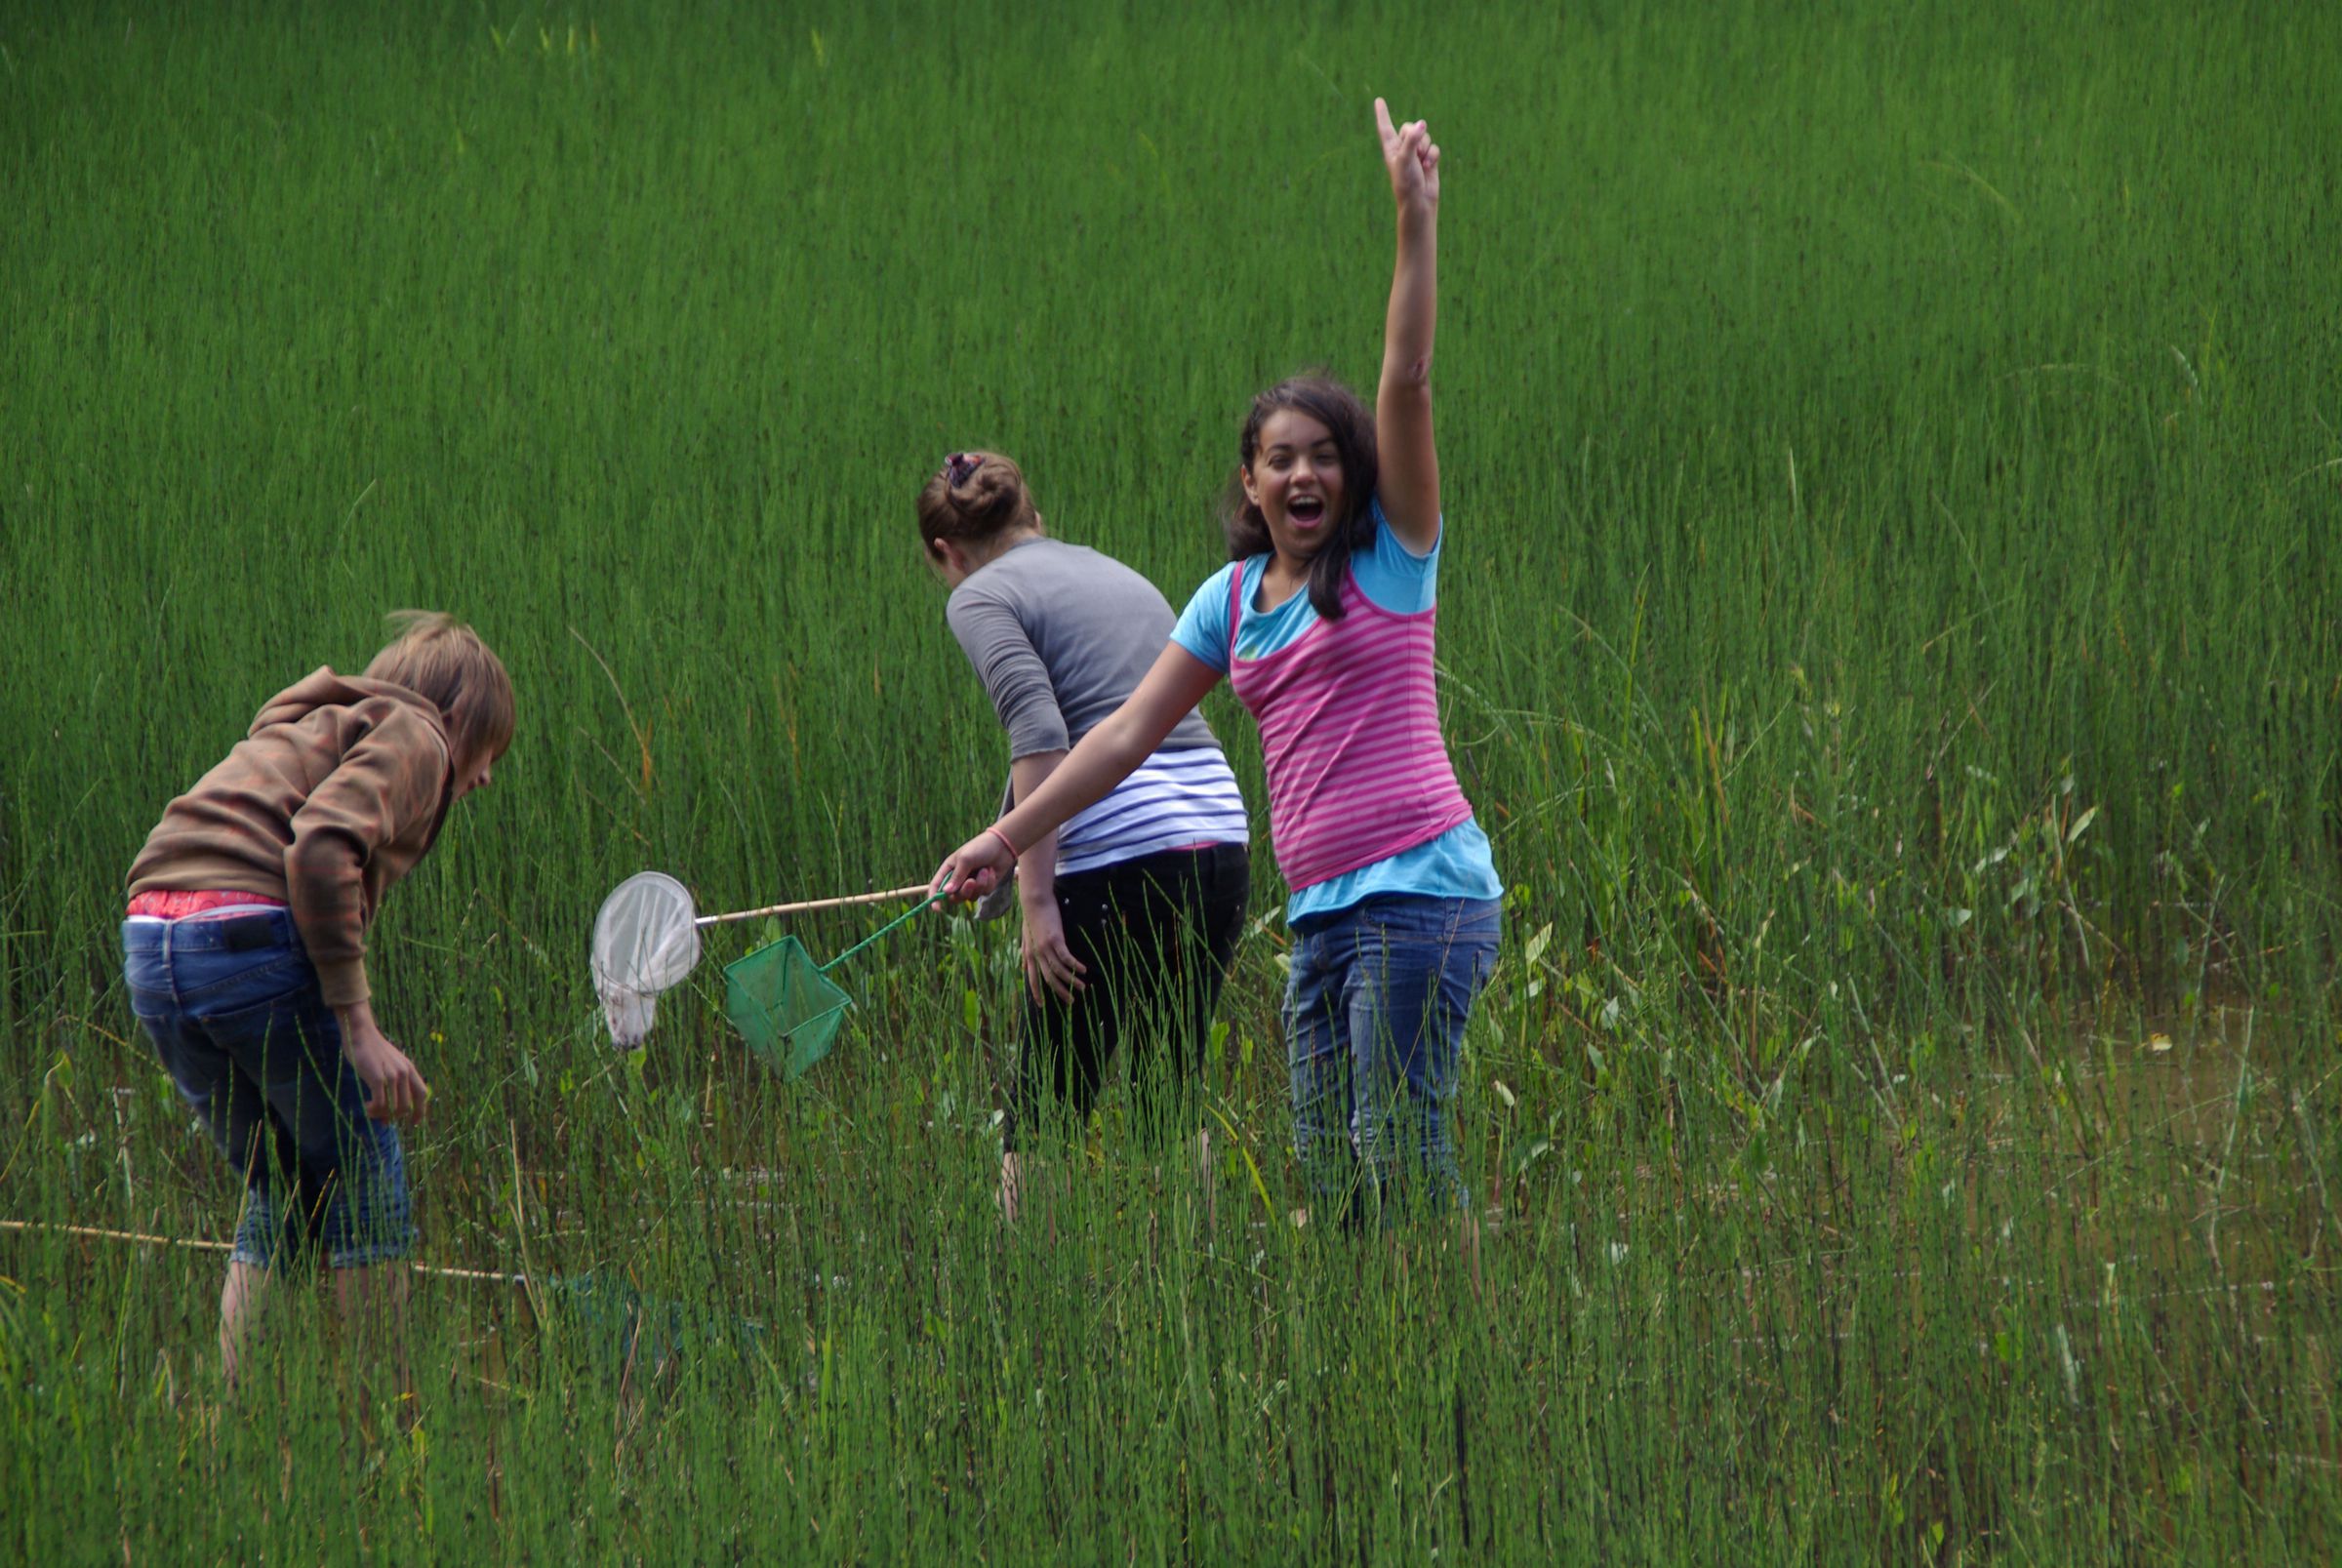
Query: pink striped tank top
[[1350, 729]]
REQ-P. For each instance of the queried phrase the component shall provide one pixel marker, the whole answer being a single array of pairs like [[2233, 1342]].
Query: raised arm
[[1402, 405], [1103, 759]]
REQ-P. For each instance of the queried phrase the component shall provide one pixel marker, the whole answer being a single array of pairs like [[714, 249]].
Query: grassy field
[[1890, 631]]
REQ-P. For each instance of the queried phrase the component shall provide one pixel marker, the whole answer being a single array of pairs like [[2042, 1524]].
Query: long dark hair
[[1339, 409]]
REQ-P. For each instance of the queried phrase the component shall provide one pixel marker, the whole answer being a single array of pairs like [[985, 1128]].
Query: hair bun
[[975, 496], [990, 496]]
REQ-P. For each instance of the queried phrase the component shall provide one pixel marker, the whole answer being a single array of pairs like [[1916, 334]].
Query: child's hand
[[1412, 158], [1048, 961], [975, 868], [394, 1089]]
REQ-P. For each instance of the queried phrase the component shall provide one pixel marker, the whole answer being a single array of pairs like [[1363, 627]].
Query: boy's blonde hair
[[443, 661]]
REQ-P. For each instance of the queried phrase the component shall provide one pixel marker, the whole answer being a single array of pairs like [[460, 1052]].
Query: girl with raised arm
[[1322, 621]]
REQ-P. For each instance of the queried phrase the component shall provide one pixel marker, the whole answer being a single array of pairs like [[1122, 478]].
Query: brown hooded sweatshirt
[[333, 795]]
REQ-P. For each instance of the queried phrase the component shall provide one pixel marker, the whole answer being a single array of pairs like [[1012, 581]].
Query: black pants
[[1156, 935]]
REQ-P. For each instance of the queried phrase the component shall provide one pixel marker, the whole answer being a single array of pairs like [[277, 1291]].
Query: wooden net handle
[[916, 891]]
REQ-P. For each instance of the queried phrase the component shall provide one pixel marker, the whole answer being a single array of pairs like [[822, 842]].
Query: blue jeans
[[233, 1008], [1375, 1007]]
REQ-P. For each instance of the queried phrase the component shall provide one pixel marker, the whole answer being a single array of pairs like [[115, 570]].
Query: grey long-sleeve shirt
[[1061, 636]]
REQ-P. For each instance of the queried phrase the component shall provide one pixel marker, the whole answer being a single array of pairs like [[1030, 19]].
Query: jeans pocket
[[1300, 970], [147, 1004], [148, 978], [225, 985], [285, 1032], [1418, 924]]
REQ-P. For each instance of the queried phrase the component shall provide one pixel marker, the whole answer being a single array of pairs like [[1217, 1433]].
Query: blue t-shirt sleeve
[[1394, 576], [1203, 629]]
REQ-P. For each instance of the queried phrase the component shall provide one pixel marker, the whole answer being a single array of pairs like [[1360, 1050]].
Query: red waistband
[[172, 905]]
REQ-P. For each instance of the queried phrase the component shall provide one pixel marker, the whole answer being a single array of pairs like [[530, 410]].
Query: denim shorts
[[1375, 1008], [234, 1012]]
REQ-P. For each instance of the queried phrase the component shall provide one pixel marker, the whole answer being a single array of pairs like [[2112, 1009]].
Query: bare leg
[[240, 1300], [1012, 1187]]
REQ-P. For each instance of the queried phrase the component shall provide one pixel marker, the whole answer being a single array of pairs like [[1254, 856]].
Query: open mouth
[[1306, 511]]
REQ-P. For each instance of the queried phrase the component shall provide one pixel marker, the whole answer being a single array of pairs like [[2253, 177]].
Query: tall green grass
[[1890, 634]]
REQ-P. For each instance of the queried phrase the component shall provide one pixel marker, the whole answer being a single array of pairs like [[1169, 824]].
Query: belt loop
[[169, 971]]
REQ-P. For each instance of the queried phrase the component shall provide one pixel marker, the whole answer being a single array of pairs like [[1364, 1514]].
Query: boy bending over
[[245, 952]]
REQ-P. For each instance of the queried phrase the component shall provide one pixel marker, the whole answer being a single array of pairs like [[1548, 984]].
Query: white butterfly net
[[644, 941]]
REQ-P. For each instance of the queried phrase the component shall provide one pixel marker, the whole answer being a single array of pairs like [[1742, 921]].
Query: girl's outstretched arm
[[1402, 405], [1103, 759]]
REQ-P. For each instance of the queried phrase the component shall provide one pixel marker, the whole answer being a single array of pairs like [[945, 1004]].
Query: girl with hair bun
[[1132, 906]]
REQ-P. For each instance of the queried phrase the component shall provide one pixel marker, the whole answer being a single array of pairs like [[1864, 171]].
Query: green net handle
[[905, 918]]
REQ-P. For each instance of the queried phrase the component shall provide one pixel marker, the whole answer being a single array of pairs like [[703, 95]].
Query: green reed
[[1889, 631]]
